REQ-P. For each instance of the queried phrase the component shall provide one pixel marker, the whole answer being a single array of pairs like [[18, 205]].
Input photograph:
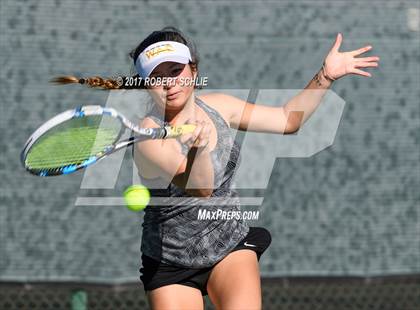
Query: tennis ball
[[136, 197]]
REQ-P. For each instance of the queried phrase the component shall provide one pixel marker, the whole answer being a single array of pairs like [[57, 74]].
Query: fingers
[[187, 138], [365, 64], [338, 41], [199, 137], [361, 50], [372, 58], [360, 72], [203, 136]]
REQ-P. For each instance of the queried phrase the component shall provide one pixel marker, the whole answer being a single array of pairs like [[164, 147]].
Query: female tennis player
[[185, 257]]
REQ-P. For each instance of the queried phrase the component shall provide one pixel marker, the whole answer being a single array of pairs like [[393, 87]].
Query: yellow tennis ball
[[136, 197]]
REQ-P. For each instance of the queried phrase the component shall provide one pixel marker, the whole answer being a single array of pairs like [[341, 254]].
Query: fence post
[[79, 300]]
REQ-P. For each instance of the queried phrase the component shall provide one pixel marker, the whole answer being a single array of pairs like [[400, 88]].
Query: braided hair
[[165, 34]]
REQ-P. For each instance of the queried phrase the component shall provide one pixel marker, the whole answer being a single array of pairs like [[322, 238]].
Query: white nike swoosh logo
[[247, 244]]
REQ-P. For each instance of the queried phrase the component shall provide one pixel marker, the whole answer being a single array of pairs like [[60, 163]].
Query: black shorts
[[155, 274]]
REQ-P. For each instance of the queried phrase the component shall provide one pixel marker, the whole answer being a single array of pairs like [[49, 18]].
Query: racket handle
[[175, 131]]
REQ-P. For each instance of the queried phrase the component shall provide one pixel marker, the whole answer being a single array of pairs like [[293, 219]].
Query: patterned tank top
[[173, 233]]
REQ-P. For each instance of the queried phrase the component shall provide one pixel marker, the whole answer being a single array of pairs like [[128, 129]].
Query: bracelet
[[325, 75]]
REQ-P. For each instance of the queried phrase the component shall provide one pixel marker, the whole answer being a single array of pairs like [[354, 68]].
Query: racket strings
[[79, 149], [73, 142]]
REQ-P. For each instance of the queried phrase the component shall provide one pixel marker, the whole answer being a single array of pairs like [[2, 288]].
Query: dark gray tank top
[[172, 233]]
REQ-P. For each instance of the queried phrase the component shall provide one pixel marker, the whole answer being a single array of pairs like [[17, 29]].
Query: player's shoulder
[[148, 122], [215, 98], [220, 102]]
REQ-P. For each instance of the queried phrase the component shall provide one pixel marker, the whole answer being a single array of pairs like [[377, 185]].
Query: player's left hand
[[338, 64]]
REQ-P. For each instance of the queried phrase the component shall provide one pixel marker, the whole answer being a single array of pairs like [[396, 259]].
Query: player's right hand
[[200, 137]]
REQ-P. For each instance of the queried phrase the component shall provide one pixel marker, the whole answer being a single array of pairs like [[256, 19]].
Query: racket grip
[[175, 131]]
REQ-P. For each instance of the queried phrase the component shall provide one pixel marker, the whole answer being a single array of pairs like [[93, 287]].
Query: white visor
[[160, 52]]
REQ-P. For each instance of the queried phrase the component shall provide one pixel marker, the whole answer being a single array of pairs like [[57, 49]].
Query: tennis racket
[[78, 138]]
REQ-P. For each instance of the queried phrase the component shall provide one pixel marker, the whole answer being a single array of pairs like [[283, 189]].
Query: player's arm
[[163, 158], [295, 112], [283, 119]]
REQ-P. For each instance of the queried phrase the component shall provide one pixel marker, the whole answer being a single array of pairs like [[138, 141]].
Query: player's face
[[175, 94]]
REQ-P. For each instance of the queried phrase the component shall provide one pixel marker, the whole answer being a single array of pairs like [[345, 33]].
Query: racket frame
[[88, 110]]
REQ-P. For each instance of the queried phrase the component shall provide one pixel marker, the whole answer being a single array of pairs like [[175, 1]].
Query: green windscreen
[[73, 141]]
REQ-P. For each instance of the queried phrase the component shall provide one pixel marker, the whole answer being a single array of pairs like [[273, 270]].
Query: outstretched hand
[[338, 64]]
